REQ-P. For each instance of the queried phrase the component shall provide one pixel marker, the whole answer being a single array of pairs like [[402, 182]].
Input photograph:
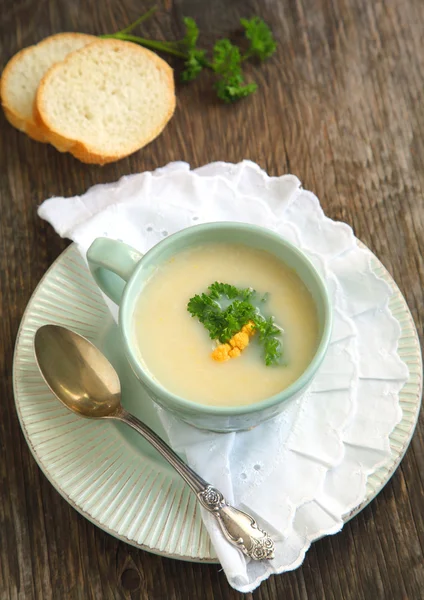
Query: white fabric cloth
[[305, 469]]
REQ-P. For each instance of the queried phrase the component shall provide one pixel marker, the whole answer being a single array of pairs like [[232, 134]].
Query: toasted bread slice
[[106, 101], [23, 73]]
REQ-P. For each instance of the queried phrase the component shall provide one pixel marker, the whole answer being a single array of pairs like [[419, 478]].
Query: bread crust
[[29, 126], [90, 153]]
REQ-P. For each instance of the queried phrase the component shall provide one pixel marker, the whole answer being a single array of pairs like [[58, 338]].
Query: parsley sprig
[[262, 42], [226, 61], [230, 85], [223, 323]]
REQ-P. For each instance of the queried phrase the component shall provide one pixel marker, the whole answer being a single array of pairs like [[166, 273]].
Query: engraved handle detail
[[239, 528]]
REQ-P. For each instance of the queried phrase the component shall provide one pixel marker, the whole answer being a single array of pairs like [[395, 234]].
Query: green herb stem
[[167, 47], [140, 20]]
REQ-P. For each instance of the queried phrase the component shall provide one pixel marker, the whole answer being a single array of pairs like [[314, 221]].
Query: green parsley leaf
[[199, 304], [235, 316], [196, 58], [189, 40], [232, 93], [218, 289], [262, 42], [208, 312], [268, 332], [227, 65], [194, 64]]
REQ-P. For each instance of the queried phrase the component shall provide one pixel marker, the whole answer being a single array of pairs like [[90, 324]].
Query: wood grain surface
[[340, 105]]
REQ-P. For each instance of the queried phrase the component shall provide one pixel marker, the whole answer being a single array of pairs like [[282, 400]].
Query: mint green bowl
[[121, 272]]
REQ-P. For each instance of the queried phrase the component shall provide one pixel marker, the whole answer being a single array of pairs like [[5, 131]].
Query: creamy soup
[[176, 348]]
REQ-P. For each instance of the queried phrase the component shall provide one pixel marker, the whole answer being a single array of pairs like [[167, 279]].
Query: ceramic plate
[[109, 473]]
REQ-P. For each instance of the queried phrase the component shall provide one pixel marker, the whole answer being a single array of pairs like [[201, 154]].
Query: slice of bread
[[23, 73], [106, 101]]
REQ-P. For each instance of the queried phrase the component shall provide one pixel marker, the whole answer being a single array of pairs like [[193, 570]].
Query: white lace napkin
[[301, 472]]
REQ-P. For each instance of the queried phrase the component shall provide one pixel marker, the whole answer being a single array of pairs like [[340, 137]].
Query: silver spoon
[[82, 378]]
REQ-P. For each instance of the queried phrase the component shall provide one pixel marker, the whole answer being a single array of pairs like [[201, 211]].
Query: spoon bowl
[[78, 374]]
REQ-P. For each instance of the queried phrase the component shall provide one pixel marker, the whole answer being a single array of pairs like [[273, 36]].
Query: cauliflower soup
[[265, 332]]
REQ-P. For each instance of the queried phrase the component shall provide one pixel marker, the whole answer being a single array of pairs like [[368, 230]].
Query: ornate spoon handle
[[239, 528]]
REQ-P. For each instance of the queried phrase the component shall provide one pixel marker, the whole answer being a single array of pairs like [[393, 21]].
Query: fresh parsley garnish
[[262, 42], [218, 289], [223, 323], [191, 35], [268, 336], [196, 58], [227, 59], [227, 65], [193, 65]]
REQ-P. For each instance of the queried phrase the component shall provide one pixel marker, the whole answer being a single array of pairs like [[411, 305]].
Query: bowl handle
[[112, 263]]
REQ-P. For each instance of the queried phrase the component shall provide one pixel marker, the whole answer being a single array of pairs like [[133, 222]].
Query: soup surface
[[176, 348]]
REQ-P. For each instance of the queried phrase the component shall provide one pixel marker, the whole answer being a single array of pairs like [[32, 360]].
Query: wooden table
[[341, 106]]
